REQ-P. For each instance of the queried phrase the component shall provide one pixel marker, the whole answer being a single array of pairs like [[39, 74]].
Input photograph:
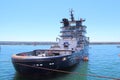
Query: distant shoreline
[[25, 43], [102, 43], [47, 43]]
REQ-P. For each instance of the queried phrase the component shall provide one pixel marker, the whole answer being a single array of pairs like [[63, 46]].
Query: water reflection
[[81, 68]]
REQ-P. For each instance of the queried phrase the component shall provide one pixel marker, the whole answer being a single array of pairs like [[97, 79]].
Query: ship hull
[[46, 65]]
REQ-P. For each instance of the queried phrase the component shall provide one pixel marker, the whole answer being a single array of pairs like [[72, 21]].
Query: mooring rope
[[67, 72], [62, 71]]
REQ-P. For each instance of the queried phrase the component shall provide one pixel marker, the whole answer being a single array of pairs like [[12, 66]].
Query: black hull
[[46, 65]]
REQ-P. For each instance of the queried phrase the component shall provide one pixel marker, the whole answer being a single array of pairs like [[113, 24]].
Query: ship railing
[[31, 53], [66, 31], [45, 53]]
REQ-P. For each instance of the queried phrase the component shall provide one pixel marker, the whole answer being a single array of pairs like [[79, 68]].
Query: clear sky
[[39, 20]]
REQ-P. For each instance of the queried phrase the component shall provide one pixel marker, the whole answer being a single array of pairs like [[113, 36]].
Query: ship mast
[[71, 14]]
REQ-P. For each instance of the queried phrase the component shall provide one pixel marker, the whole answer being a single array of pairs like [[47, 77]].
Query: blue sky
[[39, 20]]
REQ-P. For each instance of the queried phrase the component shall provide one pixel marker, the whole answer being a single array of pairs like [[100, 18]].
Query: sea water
[[103, 64]]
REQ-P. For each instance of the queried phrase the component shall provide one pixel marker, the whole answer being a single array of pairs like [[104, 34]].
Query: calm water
[[104, 60]]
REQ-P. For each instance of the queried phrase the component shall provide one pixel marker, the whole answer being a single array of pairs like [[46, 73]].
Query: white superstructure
[[72, 35]]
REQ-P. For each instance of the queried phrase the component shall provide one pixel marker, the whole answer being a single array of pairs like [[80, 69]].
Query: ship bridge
[[73, 30]]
